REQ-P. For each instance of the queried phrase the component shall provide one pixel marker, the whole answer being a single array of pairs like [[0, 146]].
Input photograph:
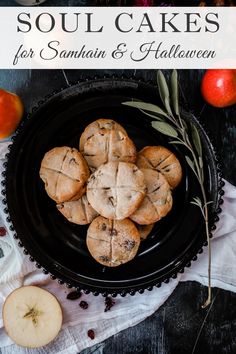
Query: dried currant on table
[[74, 295], [109, 302], [3, 231], [83, 305], [91, 334]]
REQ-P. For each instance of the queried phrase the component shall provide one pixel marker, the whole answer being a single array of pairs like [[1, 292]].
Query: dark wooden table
[[180, 325]]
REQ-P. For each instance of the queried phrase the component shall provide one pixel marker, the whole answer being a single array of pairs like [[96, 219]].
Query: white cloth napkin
[[16, 270]]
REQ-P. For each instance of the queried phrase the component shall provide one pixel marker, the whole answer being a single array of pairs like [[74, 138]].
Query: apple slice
[[32, 316]]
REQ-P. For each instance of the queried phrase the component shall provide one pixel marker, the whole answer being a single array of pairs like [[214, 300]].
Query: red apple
[[11, 112], [219, 87]]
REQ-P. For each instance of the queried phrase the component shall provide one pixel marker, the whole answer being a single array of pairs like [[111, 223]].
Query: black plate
[[59, 246]]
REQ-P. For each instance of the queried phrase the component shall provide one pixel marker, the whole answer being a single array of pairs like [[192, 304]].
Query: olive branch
[[167, 120]]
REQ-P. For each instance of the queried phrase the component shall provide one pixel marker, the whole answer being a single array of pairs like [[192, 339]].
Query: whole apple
[[219, 87], [11, 112]]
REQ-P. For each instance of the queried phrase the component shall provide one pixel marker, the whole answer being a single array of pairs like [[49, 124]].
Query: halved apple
[[32, 316]]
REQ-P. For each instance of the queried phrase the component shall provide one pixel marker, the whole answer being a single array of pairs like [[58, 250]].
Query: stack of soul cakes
[[120, 192]]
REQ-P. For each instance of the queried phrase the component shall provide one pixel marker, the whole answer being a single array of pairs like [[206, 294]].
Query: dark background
[[180, 325]]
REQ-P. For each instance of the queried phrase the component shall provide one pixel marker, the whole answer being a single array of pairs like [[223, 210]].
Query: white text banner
[[117, 37]]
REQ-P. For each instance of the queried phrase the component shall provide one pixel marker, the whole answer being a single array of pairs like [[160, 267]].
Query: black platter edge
[[86, 289]]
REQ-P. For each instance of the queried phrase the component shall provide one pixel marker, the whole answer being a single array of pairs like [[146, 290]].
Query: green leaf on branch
[[196, 140], [200, 162], [176, 142], [174, 91], [165, 129], [195, 204], [159, 118], [184, 124], [198, 201], [191, 164], [146, 107], [163, 91], [167, 105]]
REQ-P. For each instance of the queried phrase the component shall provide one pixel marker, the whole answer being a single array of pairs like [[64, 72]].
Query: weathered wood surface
[[175, 327]]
